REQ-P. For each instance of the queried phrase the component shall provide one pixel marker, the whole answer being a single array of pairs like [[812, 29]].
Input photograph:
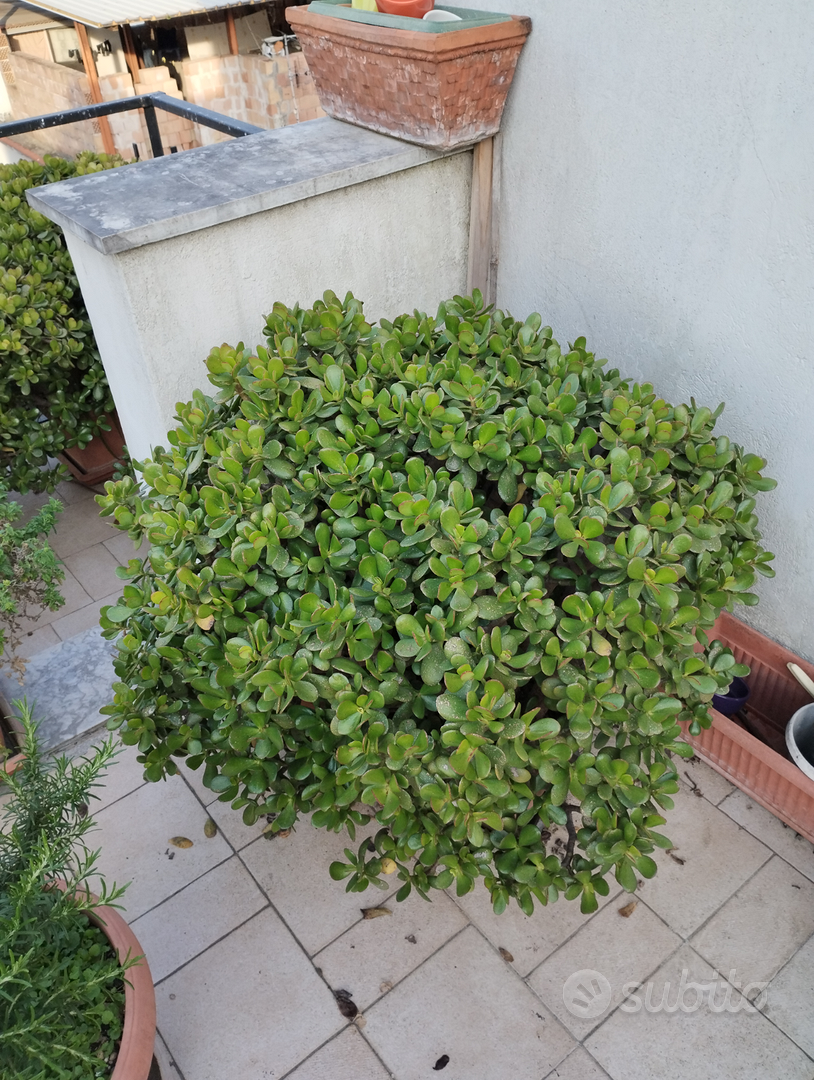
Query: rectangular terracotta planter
[[439, 90], [760, 766]]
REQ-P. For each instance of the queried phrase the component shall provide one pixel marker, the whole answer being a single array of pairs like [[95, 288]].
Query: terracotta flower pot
[[95, 463], [9, 764], [135, 1057], [756, 760], [440, 90]]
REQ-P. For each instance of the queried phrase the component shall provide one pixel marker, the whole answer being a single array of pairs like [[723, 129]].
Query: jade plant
[[443, 572], [53, 389]]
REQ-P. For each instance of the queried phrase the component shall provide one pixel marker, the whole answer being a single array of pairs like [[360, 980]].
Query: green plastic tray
[[469, 17]]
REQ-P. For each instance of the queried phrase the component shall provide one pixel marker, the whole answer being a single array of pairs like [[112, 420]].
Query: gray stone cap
[[154, 200]]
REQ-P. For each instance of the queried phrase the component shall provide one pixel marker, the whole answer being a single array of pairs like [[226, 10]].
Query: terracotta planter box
[[439, 90], [96, 462], [761, 766]]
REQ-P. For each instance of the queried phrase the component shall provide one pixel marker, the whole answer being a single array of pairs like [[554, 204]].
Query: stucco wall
[[658, 196], [396, 242]]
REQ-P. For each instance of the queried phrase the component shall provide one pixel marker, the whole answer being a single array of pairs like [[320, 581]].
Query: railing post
[[152, 130]]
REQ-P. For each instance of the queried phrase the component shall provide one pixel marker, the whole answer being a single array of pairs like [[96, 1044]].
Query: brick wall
[[40, 86], [175, 130]]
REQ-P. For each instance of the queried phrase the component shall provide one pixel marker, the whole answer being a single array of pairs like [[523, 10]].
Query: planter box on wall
[[439, 90], [761, 768]]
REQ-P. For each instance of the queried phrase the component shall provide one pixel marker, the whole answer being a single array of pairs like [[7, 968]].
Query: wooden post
[[128, 45], [89, 65], [231, 31], [482, 271]]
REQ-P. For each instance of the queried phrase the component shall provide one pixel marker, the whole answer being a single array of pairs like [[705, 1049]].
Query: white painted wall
[[658, 196], [397, 242]]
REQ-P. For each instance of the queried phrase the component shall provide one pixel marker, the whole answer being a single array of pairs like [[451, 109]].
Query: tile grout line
[[212, 944]]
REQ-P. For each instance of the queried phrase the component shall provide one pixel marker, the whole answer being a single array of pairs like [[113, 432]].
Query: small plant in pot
[[53, 388], [75, 993], [444, 572]]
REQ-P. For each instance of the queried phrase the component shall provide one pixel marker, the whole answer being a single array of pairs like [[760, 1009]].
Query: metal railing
[[149, 103]]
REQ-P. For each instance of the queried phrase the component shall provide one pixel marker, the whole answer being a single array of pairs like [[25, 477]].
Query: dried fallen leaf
[[388, 866], [346, 1006], [210, 828], [360, 1022], [674, 857], [270, 834], [180, 841], [507, 956], [374, 912], [206, 623], [628, 909]]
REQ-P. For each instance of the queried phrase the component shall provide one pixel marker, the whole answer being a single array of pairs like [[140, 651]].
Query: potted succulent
[[76, 997], [438, 84], [443, 571], [56, 400], [29, 581]]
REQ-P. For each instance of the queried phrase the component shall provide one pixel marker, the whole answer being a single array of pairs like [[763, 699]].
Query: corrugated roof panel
[[117, 12]]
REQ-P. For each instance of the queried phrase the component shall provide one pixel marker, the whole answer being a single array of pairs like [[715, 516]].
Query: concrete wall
[[657, 196], [158, 310], [40, 86]]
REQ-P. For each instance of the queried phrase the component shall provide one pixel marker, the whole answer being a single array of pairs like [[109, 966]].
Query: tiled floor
[[249, 938]]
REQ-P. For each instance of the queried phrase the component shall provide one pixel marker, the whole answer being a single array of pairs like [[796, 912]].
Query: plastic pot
[[800, 739], [413, 9], [734, 699]]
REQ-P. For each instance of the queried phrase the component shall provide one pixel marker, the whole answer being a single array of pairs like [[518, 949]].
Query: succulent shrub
[[443, 571], [53, 389]]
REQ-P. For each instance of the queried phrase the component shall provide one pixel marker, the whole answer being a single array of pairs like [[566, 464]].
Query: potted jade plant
[[443, 571], [30, 575], [438, 84], [76, 997], [56, 400]]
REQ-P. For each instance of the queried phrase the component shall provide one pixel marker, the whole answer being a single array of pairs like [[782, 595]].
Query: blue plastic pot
[[735, 698]]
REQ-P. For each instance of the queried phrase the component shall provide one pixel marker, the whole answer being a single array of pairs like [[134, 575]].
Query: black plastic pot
[[735, 698]]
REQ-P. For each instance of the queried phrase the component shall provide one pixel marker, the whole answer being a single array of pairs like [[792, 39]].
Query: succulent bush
[[53, 389], [442, 571]]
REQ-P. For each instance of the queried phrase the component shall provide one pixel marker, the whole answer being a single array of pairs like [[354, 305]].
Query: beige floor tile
[[621, 950], [71, 492], [579, 1065], [375, 954], [134, 835], [31, 502], [79, 526], [710, 783], [36, 641], [195, 780], [467, 1004], [347, 1057], [294, 874], [792, 847], [122, 548], [95, 570], [696, 1044], [250, 1007], [123, 777], [717, 858], [75, 599], [790, 999], [738, 938], [529, 938], [83, 619], [230, 822], [196, 917], [166, 1062]]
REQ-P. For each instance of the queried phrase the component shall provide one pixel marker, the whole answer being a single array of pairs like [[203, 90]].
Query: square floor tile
[[197, 916], [293, 872], [529, 938], [69, 491], [250, 1007], [36, 641], [123, 775], [375, 954], [95, 570], [231, 824], [738, 938], [134, 835], [79, 526], [347, 1057], [702, 778], [166, 1062], [75, 598], [611, 948], [790, 998], [194, 777], [579, 1065], [122, 548], [694, 1043], [795, 849], [717, 857], [85, 618], [467, 1004]]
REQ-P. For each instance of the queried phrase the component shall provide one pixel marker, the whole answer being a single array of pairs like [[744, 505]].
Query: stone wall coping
[[155, 200]]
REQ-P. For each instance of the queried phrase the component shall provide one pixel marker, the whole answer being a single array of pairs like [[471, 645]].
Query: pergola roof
[[103, 13]]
